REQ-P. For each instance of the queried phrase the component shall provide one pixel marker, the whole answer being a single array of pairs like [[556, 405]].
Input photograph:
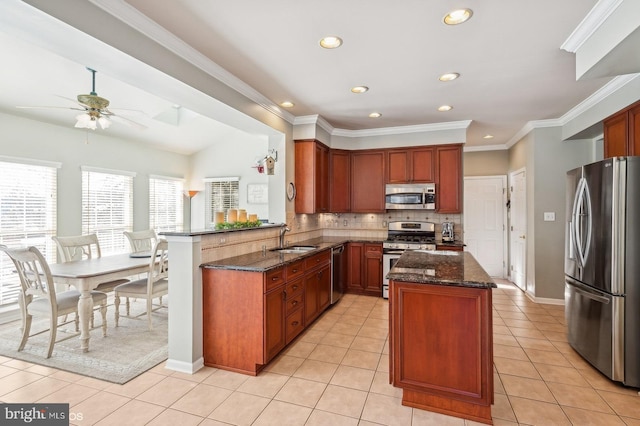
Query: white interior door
[[518, 228], [485, 219]]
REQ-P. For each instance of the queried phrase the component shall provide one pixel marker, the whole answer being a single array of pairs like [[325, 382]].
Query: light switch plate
[[549, 216]]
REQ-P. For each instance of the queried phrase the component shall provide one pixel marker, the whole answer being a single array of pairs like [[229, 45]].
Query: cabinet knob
[[295, 323], [275, 278], [295, 287], [294, 303]]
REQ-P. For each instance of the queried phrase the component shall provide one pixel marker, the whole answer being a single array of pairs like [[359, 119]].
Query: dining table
[[85, 275]]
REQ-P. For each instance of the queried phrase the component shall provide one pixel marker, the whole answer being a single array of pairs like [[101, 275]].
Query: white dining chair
[[155, 285], [141, 241], [38, 296], [80, 247]]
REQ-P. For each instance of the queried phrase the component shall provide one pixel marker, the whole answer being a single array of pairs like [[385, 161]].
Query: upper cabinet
[[622, 132], [410, 165], [312, 177], [339, 181], [367, 181], [449, 179]]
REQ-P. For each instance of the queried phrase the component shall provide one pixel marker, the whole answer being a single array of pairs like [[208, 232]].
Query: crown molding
[[478, 148], [590, 24], [140, 22], [382, 131]]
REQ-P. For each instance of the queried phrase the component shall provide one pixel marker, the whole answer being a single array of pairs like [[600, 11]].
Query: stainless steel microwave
[[410, 196]]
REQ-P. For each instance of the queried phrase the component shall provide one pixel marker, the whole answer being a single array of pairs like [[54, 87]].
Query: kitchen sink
[[295, 249]]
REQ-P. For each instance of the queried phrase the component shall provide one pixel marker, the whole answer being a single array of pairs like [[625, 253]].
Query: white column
[[185, 304]]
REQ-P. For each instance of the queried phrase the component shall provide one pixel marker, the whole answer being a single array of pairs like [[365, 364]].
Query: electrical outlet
[[549, 216]]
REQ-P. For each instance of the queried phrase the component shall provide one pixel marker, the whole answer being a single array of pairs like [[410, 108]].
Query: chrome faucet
[[284, 228]]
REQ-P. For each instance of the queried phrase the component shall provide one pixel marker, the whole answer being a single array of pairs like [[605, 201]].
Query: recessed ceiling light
[[287, 104], [487, 137], [449, 76], [375, 115], [456, 17], [330, 42], [359, 89], [444, 108]]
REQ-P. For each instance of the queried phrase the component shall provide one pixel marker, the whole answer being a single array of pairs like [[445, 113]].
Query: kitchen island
[[440, 333]]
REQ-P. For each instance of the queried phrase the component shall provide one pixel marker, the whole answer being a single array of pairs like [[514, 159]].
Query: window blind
[[165, 204], [28, 198], [222, 194], [107, 208]]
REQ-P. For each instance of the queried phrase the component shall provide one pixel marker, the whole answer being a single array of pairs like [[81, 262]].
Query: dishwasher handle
[[337, 250]]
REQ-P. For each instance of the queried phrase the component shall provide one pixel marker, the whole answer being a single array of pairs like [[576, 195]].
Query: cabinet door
[[422, 169], [449, 179], [398, 164], [367, 177], [324, 288], [310, 297], [322, 179], [373, 269], [354, 266], [274, 327], [339, 181], [616, 135]]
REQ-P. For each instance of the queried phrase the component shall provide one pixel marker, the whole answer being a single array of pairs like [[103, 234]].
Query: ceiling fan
[[94, 109]]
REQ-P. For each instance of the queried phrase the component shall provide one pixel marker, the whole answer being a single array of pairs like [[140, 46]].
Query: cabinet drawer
[[294, 302], [317, 260], [373, 248], [294, 287], [295, 270], [294, 324], [273, 279]]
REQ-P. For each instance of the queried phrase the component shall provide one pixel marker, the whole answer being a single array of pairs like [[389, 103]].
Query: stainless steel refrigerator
[[602, 266]]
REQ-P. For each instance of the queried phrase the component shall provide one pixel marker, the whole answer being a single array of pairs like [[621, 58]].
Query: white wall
[[232, 157]]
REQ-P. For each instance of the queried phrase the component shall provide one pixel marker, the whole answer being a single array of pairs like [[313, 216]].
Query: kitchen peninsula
[[440, 333]]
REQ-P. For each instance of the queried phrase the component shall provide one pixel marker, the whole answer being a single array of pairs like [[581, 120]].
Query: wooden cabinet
[[274, 325], [249, 317], [312, 177], [622, 132], [355, 255], [317, 285], [367, 181], [449, 179], [339, 181], [448, 247], [413, 165], [441, 348], [364, 273]]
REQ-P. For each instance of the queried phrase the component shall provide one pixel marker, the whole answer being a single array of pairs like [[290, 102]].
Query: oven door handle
[[393, 252]]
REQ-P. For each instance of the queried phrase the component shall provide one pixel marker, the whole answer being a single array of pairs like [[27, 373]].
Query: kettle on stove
[[447, 232]]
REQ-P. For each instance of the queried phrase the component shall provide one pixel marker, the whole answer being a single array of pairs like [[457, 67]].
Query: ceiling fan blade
[[49, 107], [128, 121]]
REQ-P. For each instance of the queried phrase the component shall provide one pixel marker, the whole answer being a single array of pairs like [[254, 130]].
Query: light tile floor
[[336, 373]]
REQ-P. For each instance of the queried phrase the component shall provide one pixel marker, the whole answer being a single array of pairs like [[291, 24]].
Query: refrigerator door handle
[[582, 213], [587, 292]]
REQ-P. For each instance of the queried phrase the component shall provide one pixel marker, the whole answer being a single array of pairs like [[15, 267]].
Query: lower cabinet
[[441, 348], [364, 273], [249, 317]]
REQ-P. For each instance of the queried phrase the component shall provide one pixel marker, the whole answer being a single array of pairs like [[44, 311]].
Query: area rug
[[128, 350]]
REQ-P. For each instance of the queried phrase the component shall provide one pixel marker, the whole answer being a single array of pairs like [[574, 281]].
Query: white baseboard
[[184, 367], [544, 300]]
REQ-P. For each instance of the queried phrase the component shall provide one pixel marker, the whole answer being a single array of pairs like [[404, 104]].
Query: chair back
[[35, 275], [141, 240], [159, 265], [78, 247]]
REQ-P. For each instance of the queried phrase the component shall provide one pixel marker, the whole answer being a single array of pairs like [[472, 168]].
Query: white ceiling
[[512, 68]]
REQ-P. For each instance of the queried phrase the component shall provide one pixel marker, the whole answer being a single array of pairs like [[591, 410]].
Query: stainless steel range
[[405, 236]]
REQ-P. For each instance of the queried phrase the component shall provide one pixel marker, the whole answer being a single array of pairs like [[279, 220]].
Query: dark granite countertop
[[442, 268], [456, 243], [263, 261], [188, 232]]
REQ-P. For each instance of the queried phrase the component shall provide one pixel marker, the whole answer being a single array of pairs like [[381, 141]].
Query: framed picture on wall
[[257, 193]]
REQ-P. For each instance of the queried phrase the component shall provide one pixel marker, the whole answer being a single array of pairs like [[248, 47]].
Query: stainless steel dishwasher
[[338, 273]]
